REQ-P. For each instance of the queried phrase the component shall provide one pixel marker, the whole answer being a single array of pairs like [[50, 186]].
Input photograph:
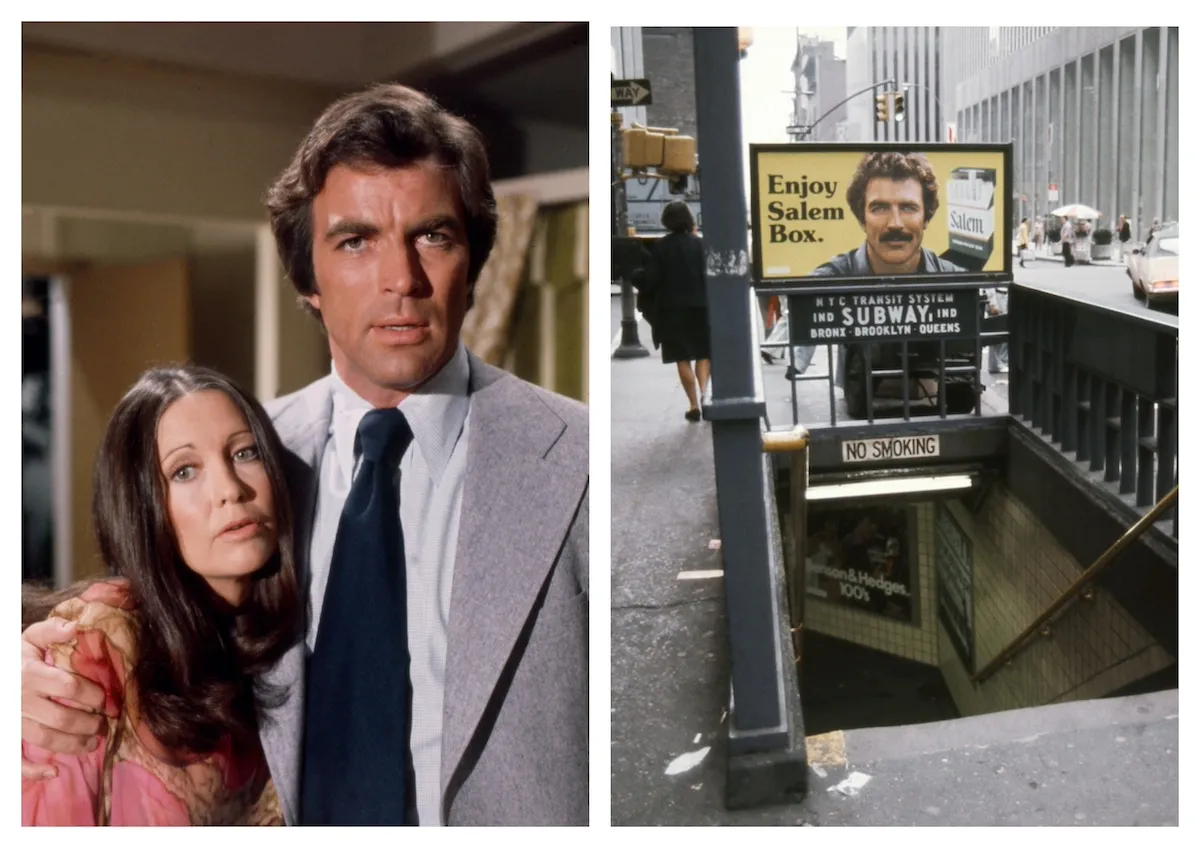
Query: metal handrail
[[1019, 643]]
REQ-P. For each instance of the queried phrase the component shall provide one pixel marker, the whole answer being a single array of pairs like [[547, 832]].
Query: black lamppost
[[630, 347]]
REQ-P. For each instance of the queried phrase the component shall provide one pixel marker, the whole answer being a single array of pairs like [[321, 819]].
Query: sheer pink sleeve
[[102, 652]]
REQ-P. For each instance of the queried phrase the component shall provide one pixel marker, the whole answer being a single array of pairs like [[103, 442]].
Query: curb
[[1102, 263]]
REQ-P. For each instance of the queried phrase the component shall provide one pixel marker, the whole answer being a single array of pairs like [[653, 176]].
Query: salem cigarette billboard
[[880, 212]]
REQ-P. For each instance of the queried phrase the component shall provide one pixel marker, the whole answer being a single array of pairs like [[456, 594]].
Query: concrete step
[[1111, 761]]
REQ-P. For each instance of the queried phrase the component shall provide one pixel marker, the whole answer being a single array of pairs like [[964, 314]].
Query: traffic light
[[898, 106], [883, 107]]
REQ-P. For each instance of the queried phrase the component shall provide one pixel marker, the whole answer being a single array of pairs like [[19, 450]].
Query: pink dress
[[150, 785]]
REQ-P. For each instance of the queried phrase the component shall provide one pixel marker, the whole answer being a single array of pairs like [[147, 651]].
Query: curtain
[[487, 327], [550, 338]]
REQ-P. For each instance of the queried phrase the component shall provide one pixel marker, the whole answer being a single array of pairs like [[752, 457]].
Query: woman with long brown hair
[[192, 515]]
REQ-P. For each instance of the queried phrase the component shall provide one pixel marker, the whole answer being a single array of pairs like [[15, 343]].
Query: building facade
[[663, 55], [1092, 112], [820, 87], [908, 59]]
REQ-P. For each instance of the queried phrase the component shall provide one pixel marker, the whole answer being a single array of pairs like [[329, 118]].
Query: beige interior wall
[[113, 135], [303, 347], [103, 138], [222, 311], [113, 241], [1019, 569], [221, 271], [146, 308]]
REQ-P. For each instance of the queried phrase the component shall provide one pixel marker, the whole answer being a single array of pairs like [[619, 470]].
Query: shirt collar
[[435, 412]]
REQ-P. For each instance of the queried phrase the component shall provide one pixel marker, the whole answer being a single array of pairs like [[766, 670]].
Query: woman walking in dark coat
[[677, 287]]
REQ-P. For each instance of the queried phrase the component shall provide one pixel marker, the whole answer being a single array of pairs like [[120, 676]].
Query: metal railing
[[1076, 590], [1101, 384], [992, 331]]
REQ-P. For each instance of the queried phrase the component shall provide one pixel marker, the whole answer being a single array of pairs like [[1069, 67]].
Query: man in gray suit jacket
[[383, 221]]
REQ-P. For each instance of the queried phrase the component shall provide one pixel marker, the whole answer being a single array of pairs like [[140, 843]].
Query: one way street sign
[[631, 92]]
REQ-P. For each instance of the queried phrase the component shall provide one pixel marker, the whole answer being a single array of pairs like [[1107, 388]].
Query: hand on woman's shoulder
[[103, 649]]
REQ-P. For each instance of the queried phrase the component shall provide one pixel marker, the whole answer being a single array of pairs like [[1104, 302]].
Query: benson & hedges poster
[[862, 557]]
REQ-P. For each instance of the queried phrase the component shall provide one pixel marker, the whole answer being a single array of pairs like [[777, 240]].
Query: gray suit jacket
[[515, 722]]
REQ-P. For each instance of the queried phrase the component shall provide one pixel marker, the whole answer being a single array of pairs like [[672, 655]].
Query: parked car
[[1153, 268]]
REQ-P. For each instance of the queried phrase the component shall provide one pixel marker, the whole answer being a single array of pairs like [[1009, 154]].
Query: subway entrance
[[911, 607]]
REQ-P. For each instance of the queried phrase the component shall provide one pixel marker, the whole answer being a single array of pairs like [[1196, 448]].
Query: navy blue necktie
[[356, 702]]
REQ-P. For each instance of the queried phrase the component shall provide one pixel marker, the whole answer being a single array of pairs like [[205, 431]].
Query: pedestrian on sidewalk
[[1022, 241], [1068, 238], [1039, 233], [802, 355], [1124, 234], [997, 304], [675, 278]]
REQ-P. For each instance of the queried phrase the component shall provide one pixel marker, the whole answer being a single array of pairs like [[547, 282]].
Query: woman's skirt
[[683, 334]]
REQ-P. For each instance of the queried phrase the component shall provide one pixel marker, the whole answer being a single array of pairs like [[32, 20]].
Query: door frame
[[58, 318]]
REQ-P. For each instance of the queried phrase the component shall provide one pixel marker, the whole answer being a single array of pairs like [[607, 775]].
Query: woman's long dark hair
[[198, 657]]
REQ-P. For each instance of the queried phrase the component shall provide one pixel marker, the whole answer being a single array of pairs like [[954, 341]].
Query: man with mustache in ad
[[893, 195]]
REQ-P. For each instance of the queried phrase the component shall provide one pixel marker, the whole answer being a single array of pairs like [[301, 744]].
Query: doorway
[[37, 507]]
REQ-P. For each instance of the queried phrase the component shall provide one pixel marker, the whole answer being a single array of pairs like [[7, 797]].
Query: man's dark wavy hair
[[198, 659], [892, 165], [389, 126]]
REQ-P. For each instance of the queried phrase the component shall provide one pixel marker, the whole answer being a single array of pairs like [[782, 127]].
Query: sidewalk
[[1048, 257], [1112, 761], [669, 644]]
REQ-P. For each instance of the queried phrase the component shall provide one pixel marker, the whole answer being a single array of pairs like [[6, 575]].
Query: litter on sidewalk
[[688, 761], [850, 786]]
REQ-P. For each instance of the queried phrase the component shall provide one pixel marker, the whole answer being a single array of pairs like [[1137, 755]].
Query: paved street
[[1103, 284]]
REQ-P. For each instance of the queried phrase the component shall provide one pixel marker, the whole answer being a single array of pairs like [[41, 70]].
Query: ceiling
[[521, 71]]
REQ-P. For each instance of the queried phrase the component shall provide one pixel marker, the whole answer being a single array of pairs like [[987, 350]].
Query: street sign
[[1052, 191], [631, 92], [894, 447], [913, 315]]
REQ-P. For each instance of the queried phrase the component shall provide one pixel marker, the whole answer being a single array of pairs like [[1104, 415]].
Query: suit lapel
[[516, 511], [303, 425]]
